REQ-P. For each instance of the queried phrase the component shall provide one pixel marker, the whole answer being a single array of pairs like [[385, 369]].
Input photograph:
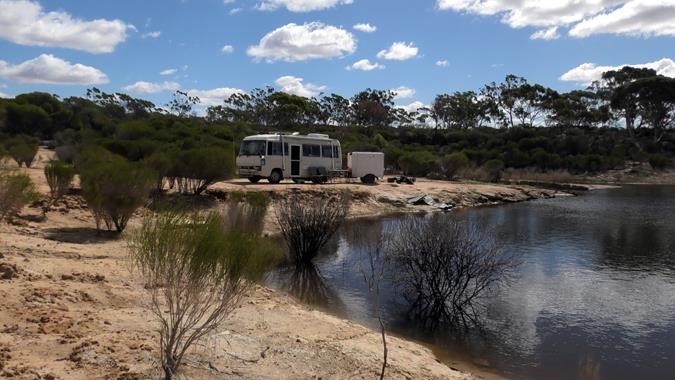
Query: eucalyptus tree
[[373, 108]]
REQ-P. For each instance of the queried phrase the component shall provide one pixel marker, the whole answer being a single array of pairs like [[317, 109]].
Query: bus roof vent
[[319, 135]]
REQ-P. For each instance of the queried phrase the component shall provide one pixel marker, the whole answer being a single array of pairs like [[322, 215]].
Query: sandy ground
[[72, 309]]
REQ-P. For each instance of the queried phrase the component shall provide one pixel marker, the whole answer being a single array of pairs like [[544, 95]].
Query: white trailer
[[368, 166]]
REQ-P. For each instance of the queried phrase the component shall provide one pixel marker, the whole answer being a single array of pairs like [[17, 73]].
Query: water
[[594, 297]]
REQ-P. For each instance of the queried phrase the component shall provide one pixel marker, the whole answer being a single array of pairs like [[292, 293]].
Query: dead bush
[[445, 268], [307, 223]]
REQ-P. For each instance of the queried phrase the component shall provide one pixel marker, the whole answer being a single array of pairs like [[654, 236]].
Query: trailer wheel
[[368, 179], [275, 177], [255, 179]]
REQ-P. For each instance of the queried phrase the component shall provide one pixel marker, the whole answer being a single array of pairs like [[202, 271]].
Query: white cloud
[[589, 72], [228, 1], [227, 49], [5, 96], [24, 22], [365, 65], [413, 107], [442, 63], [399, 51], [143, 87], [154, 34], [403, 92], [639, 18], [546, 34], [300, 5], [168, 72], [216, 96], [47, 69], [365, 28], [313, 40], [585, 18], [296, 86], [234, 11]]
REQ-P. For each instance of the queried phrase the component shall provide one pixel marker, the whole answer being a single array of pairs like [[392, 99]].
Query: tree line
[[626, 116]]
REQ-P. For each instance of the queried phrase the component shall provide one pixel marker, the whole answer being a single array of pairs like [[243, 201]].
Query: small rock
[[7, 271]]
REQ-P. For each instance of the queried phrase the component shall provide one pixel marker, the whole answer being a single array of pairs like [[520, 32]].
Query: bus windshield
[[252, 148]]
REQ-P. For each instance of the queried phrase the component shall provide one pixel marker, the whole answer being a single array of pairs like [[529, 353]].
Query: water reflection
[[594, 297], [305, 283]]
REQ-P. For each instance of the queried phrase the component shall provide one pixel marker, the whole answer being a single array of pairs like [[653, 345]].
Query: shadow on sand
[[80, 235]]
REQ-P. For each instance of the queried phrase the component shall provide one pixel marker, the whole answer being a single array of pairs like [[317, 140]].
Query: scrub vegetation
[[512, 125]]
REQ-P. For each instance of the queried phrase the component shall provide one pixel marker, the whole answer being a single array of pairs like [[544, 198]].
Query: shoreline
[[74, 310]]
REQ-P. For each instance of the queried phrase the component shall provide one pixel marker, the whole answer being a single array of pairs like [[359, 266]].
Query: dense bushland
[[628, 115]]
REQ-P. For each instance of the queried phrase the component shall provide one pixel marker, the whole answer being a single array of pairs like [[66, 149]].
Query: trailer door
[[295, 160]]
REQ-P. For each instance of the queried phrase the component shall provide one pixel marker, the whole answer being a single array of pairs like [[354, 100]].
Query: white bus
[[298, 157]]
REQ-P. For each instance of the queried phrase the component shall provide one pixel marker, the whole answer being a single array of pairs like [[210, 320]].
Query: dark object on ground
[[402, 179], [429, 201], [7, 271]]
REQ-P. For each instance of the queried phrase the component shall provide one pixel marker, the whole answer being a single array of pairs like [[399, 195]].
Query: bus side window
[[326, 151], [274, 148], [311, 150], [336, 152]]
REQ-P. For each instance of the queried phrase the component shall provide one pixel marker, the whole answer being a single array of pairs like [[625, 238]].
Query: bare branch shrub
[[196, 270], [59, 177], [307, 223], [446, 267], [16, 191]]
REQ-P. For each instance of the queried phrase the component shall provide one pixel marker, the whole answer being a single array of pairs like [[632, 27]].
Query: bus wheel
[[255, 179], [275, 176], [368, 179]]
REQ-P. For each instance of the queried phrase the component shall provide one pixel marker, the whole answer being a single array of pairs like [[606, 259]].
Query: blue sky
[[117, 44]]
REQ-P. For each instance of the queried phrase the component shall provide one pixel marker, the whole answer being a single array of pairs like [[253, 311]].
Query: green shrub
[[197, 271], [659, 161], [114, 188], [16, 191], [494, 169], [59, 177], [196, 169], [451, 164], [418, 163], [22, 149], [161, 162]]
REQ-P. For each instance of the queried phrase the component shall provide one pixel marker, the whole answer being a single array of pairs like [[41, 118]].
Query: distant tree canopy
[[627, 115]]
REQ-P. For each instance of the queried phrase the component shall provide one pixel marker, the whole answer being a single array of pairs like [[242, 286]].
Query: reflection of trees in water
[[306, 283], [624, 246]]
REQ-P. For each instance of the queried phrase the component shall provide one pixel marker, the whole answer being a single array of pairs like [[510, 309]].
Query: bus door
[[295, 160]]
